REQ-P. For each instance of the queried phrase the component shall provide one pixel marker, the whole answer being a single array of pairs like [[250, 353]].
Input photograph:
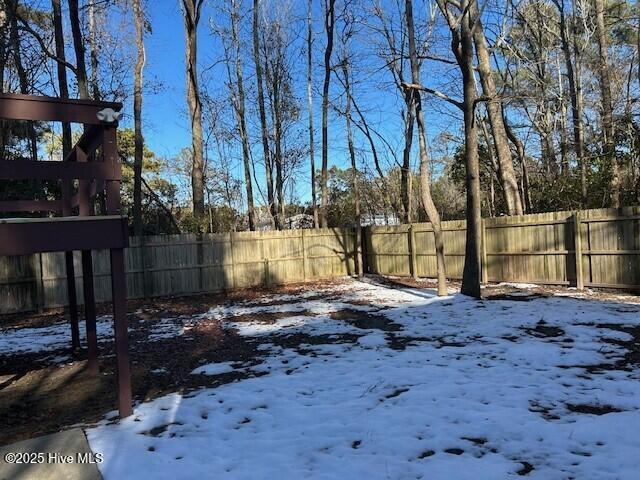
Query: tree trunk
[[409, 121], [505, 161], [526, 195], [278, 160], [573, 76], [93, 49], [16, 50], [78, 46], [581, 152], [191, 10], [472, 265], [63, 85], [329, 26], [427, 201], [312, 160], [607, 103], [352, 156], [137, 119], [240, 112], [263, 115]]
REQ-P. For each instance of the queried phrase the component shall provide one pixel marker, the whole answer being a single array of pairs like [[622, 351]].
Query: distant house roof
[[379, 219], [302, 220]]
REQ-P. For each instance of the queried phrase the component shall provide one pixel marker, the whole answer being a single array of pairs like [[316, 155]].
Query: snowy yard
[[362, 380]]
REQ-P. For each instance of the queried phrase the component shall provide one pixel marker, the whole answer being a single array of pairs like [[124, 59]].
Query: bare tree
[[505, 161], [312, 160], [16, 48], [461, 25], [238, 96], [191, 12], [264, 129], [93, 49], [78, 46], [394, 56], [571, 57], [61, 71], [609, 149], [425, 186], [139, 21], [329, 24]]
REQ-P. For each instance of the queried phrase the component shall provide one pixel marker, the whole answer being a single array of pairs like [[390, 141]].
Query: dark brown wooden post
[[72, 295], [110, 156], [118, 281], [119, 296], [84, 209]]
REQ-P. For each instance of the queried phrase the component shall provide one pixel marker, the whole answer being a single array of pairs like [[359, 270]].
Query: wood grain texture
[[169, 265]]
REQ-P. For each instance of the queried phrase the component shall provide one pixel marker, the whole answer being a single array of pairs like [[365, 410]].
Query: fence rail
[[592, 248]]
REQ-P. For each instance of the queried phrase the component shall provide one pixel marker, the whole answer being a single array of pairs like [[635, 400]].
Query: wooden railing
[[92, 161]]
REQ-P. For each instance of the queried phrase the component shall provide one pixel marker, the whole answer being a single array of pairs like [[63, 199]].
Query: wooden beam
[[30, 107], [31, 205], [24, 236], [25, 170]]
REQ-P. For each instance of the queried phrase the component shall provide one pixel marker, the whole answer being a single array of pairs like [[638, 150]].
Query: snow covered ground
[[421, 387]]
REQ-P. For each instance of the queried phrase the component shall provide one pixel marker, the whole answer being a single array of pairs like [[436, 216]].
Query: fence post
[[363, 246], [413, 267], [142, 248], [304, 257], [485, 263], [234, 282], [40, 285], [577, 241], [200, 259], [266, 272]]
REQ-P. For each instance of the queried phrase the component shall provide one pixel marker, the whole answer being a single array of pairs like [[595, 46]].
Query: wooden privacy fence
[[184, 264], [540, 248]]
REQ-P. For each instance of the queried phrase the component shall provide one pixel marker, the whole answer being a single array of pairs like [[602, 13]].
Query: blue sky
[[165, 112]]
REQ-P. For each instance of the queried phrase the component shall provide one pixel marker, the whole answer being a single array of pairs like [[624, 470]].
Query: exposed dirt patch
[[425, 454], [592, 409], [173, 305], [631, 357], [545, 411], [396, 393], [401, 342], [366, 320], [475, 441], [40, 400], [526, 469], [542, 330], [515, 297], [268, 318], [454, 451], [297, 341]]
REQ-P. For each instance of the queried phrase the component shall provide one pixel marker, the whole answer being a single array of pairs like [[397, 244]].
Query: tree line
[[341, 112]]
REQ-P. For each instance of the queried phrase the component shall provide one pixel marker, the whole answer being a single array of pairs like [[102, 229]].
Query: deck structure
[[72, 222]]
